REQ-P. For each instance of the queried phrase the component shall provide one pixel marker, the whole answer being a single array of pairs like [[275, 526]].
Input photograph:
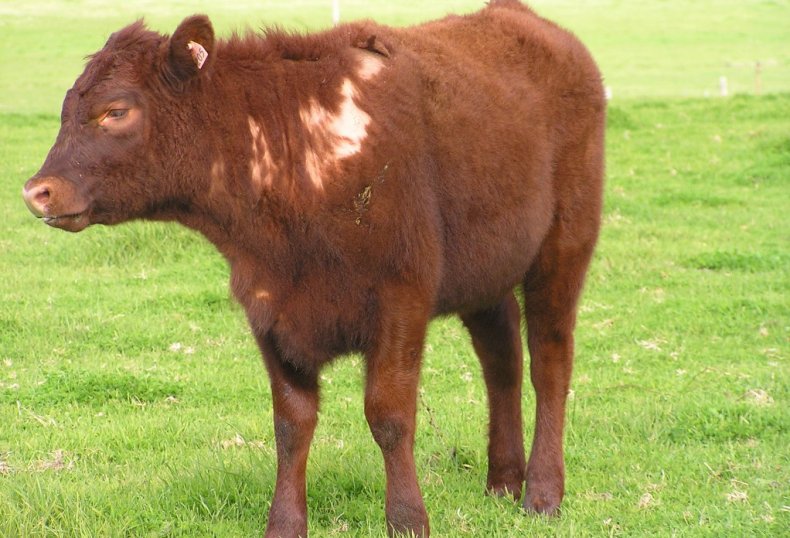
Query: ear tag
[[199, 53]]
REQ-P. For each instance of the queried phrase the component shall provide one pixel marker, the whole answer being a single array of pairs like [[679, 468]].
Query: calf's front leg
[[295, 401], [393, 371]]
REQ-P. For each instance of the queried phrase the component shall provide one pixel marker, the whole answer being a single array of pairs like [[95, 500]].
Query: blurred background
[[665, 48]]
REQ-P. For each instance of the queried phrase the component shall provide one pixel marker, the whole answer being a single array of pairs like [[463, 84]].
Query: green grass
[[133, 401], [659, 48]]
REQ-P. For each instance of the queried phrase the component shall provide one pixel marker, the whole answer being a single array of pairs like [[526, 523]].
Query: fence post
[[723, 89], [336, 12]]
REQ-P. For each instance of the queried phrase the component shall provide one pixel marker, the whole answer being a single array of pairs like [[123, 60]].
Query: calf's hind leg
[[496, 338], [552, 287], [551, 290]]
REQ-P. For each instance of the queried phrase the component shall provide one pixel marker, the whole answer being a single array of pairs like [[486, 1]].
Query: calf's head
[[124, 130]]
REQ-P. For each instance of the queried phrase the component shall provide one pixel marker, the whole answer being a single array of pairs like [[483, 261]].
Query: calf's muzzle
[[57, 202]]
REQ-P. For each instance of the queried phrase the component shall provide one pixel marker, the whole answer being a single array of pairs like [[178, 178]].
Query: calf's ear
[[190, 51]]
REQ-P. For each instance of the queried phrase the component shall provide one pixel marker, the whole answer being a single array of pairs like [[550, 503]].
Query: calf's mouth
[[74, 222]]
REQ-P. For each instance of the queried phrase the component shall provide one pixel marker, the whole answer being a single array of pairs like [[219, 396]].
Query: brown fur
[[360, 182]]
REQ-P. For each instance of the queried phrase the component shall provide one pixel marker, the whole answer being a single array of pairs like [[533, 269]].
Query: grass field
[[133, 401], [660, 48]]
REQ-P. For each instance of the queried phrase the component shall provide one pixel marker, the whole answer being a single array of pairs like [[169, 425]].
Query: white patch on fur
[[333, 136], [370, 66], [262, 294], [218, 175], [261, 164], [350, 125]]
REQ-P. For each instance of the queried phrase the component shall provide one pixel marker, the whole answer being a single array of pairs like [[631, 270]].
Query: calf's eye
[[117, 113]]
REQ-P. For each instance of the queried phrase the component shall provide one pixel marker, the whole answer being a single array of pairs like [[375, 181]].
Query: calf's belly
[[480, 271]]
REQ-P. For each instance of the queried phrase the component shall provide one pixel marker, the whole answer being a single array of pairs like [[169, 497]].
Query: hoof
[[285, 527], [545, 489], [547, 504], [511, 489], [408, 521], [407, 531], [506, 481]]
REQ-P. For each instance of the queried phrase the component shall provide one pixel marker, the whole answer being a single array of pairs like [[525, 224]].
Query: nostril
[[42, 196], [38, 198]]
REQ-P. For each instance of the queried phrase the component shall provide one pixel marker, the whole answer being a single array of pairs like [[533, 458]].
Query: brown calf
[[360, 182]]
